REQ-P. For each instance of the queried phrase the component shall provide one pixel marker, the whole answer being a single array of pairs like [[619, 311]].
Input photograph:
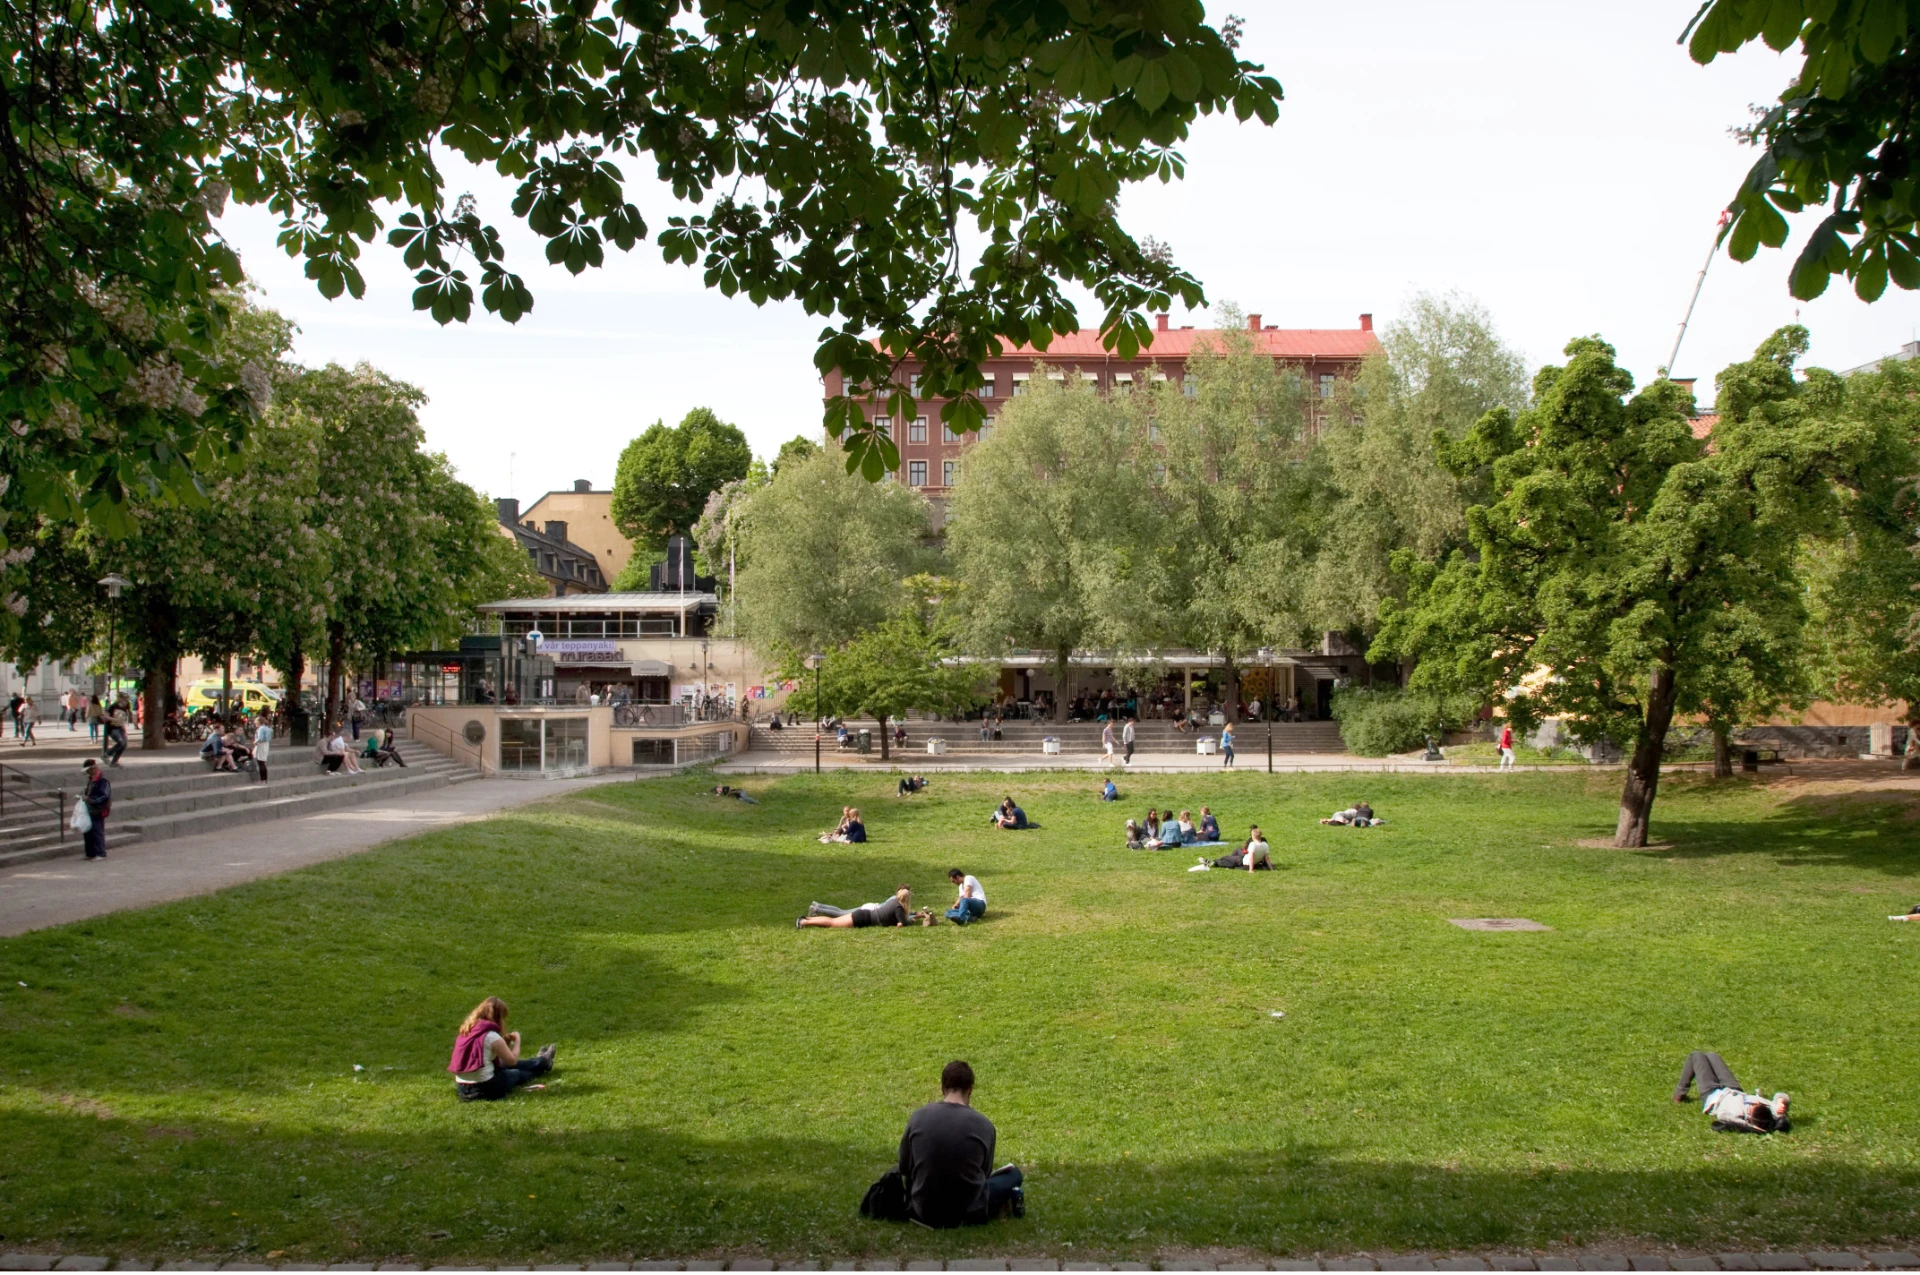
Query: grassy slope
[[181, 1079]]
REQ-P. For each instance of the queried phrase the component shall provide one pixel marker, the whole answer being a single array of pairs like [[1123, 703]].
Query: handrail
[[457, 745], [56, 802]]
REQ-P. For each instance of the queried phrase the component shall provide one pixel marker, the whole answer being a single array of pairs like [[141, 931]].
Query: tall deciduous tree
[[1380, 485], [1220, 468], [825, 152], [1624, 559], [1042, 526], [666, 475], [824, 556]]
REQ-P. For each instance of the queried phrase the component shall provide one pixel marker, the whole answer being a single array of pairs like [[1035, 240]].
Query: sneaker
[[546, 1052], [1017, 1207], [799, 922]]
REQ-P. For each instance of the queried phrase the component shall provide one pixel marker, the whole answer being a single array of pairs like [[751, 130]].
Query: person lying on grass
[[1732, 1109], [912, 784], [894, 912], [1254, 856], [486, 1062], [946, 1157], [722, 790], [971, 903], [1358, 815], [1009, 816]]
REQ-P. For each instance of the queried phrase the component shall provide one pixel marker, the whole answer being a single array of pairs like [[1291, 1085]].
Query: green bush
[[1378, 721]]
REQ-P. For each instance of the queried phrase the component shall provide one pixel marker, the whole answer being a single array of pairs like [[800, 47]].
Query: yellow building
[[587, 516]]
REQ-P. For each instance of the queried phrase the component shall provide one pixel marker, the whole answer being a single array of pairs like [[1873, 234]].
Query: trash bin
[[1050, 745], [937, 748], [864, 744]]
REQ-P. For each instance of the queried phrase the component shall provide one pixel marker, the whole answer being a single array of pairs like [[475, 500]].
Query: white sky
[[1562, 163]]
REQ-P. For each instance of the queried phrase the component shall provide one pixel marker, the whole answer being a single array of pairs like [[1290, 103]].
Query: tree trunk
[[1233, 689], [884, 732], [336, 683], [158, 680], [1722, 753], [1062, 688], [1643, 771]]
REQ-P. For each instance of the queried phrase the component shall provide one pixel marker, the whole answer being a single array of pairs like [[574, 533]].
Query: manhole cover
[[1496, 923]]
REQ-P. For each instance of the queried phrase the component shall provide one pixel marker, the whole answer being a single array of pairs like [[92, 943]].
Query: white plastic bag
[[82, 821]]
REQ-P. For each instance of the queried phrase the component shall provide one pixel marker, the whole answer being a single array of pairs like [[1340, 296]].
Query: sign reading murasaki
[[580, 650]]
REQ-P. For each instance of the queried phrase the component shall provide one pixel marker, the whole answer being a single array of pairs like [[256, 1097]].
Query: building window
[[1019, 383], [917, 432], [986, 428], [884, 424], [1123, 382], [913, 386], [1189, 386], [1153, 433], [946, 433], [1326, 385], [986, 390], [949, 470], [916, 473]]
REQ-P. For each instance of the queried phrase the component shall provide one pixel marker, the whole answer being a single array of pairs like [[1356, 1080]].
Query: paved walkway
[[1842, 1260], [1249, 760], [56, 891]]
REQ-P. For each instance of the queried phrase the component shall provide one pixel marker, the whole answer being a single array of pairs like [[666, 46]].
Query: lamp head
[[815, 660], [113, 583]]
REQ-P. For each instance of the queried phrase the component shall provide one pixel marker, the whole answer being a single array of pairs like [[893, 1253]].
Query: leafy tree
[[1842, 134], [825, 152], [1380, 487], [1621, 563], [901, 664], [1040, 524], [796, 448], [824, 556], [665, 476], [1218, 464], [1866, 578]]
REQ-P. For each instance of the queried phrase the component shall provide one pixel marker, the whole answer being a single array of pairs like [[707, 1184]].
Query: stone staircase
[[1023, 738], [155, 798]]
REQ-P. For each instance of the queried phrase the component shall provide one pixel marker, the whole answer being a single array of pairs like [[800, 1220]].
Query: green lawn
[[183, 1080]]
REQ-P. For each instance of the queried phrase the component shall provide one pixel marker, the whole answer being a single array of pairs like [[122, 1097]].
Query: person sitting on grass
[[1732, 1108], [851, 831], [1209, 826], [971, 903], [893, 912], [1151, 825], [1108, 792], [1358, 815], [1171, 837], [912, 784], [1009, 816], [946, 1157], [486, 1062], [1254, 856]]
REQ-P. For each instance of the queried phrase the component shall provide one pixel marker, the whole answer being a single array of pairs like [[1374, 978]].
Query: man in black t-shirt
[[946, 1156]]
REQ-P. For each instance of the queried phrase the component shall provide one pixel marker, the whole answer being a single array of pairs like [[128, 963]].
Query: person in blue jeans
[[486, 1062], [1226, 744], [971, 904]]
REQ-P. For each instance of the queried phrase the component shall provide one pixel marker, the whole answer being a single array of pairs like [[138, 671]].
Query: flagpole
[[1699, 282]]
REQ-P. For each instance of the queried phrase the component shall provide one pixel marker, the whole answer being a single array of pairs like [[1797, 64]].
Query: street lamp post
[[814, 661], [112, 584], [1266, 708]]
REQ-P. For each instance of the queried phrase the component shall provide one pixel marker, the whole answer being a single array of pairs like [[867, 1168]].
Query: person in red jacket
[[1506, 746]]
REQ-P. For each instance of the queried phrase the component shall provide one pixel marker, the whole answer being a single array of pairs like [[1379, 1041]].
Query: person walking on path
[[116, 733], [1226, 743], [94, 713], [1106, 744], [1126, 740], [13, 711], [1506, 746], [99, 799], [28, 716]]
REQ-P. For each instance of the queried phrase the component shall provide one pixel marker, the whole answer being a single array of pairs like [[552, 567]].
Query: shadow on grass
[[1811, 831], [503, 1190]]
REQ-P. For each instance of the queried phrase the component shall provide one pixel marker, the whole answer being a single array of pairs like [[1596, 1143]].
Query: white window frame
[[1123, 382], [916, 473], [986, 390], [986, 428], [1020, 380], [917, 432], [1326, 384], [949, 470], [884, 425]]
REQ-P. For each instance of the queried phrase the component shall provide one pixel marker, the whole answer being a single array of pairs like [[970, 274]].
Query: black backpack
[[886, 1200]]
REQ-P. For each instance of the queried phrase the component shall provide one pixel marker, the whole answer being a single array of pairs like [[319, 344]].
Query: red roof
[[1178, 343], [1703, 425]]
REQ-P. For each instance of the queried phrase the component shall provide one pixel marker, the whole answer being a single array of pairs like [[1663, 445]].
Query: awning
[[618, 668]]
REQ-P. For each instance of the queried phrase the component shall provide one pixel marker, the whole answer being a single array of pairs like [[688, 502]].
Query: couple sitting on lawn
[[1008, 816], [850, 832], [1163, 832], [969, 905], [1253, 856]]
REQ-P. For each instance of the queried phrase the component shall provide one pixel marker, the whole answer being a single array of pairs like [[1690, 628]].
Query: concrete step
[[159, 814], [964, 739]]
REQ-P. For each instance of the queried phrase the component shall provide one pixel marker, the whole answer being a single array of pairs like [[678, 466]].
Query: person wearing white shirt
[[971, 904], [262, 745], [1724, 1101]]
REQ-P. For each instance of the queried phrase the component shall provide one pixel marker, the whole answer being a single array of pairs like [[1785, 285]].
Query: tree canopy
[[666, 475], [1842, 135], [842, 155]]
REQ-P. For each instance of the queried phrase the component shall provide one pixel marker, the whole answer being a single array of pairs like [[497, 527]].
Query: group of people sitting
[[338, 757], [1161, 831], [1009, 817], [229, 748], [969, 904], [849, 831]]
